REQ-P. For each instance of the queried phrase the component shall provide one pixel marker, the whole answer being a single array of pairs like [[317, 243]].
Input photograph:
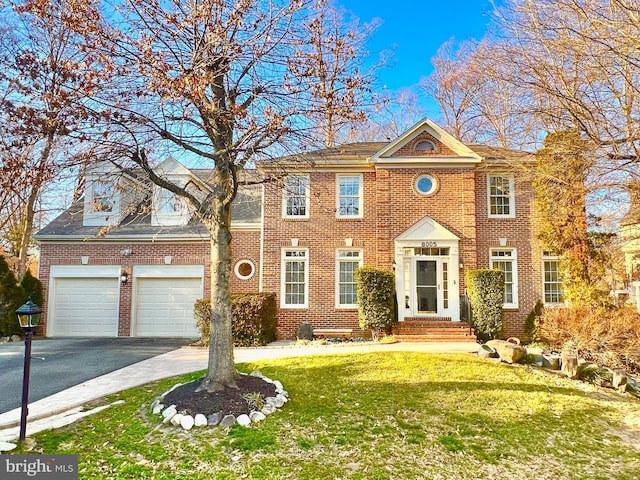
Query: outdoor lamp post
[[29, 318]]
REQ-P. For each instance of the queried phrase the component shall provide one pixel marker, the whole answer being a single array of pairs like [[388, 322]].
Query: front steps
[[438, 329]]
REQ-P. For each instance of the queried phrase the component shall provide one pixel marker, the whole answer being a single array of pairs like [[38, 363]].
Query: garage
[[164, 299], [84, 307]]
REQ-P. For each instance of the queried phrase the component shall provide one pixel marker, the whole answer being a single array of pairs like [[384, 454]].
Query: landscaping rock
[[619, 380], [278, 385], [569, 364], [15, 338], [6, 446], [228, 421], [157, 408], [305, 331], [486, 351], [256, 373], [214, 419], [257, 416], [268, 409], [187, 422], [551, 362], [508, 352], [176, 419], [277, 401], [243, 420], [283, 398], [170, 411], [200, 420]]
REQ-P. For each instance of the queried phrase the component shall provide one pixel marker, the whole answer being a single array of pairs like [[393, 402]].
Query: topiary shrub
[[254, 319], [485, 289], [375, 297]]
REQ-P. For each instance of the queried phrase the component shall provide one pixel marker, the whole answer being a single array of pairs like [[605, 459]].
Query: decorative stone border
[[170, 414]]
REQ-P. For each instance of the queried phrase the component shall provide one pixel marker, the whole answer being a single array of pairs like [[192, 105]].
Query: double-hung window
[[504, 259], [103, 198], [349, 196], [552, 283], [295, 203], [501, 197], [295, 278], [347, 261]]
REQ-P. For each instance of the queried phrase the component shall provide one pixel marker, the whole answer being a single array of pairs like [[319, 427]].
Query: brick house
[[424, 205]]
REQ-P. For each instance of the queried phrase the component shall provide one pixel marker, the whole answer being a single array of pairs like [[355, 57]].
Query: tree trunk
[[27, 230], [221, 367]]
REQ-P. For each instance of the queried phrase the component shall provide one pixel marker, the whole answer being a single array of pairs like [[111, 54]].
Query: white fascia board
[[425, 124]]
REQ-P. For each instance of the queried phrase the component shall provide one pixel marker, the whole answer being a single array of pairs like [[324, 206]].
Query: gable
[[426, 229], [425, 143]]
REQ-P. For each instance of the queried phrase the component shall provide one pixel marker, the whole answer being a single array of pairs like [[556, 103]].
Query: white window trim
[[94, 218], [360, 195], [359, 259], [239, 263], [283, 260], [549, 258], [514, 263], [512, 195], [159, 217], [307, 196]]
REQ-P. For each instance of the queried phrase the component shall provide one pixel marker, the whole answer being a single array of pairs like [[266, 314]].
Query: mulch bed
[[229, 401]]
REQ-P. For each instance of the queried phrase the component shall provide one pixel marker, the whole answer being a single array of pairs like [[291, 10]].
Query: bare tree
[[333, 57], [43, 82], [214, 79], [476, 104]]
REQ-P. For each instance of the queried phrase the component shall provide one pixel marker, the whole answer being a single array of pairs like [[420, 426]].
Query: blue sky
[[415, 29]]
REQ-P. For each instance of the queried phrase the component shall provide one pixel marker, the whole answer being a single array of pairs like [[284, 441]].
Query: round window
[[245, 269], [426, 184]]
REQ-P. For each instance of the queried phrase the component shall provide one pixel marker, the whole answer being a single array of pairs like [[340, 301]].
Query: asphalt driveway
[[60, 363]]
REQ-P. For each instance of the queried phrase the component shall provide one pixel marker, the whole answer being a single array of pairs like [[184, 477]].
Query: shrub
[[375, 297], [32, 288], [532, 321], [12, 296], [254, 319], [486, 295], [609, 337]]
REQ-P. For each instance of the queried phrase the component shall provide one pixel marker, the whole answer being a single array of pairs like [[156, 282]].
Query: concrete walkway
[[66, 407]]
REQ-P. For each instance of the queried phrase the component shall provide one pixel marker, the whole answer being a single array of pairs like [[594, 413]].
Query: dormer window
[[102, 200], [424, 146], [103, 196], [169, 208], [170, 203]]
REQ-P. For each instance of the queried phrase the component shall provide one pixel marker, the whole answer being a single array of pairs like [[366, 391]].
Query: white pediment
[[426, 229], [463, 154]]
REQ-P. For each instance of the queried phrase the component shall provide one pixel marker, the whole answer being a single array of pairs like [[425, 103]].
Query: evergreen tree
[[12, 296], [562, 169], [32, 288]]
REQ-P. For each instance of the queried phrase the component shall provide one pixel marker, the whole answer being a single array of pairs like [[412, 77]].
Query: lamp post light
[[29, 318]]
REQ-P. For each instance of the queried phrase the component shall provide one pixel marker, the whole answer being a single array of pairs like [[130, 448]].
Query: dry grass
[[607, 337]]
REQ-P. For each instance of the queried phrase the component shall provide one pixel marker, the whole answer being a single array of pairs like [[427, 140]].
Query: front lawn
[[375, 416]]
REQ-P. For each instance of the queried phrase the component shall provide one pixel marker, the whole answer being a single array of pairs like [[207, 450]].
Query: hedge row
[[254, 319]]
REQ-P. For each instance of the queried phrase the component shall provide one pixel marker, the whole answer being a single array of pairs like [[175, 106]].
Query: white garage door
[[165, 307], [86, 307]]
